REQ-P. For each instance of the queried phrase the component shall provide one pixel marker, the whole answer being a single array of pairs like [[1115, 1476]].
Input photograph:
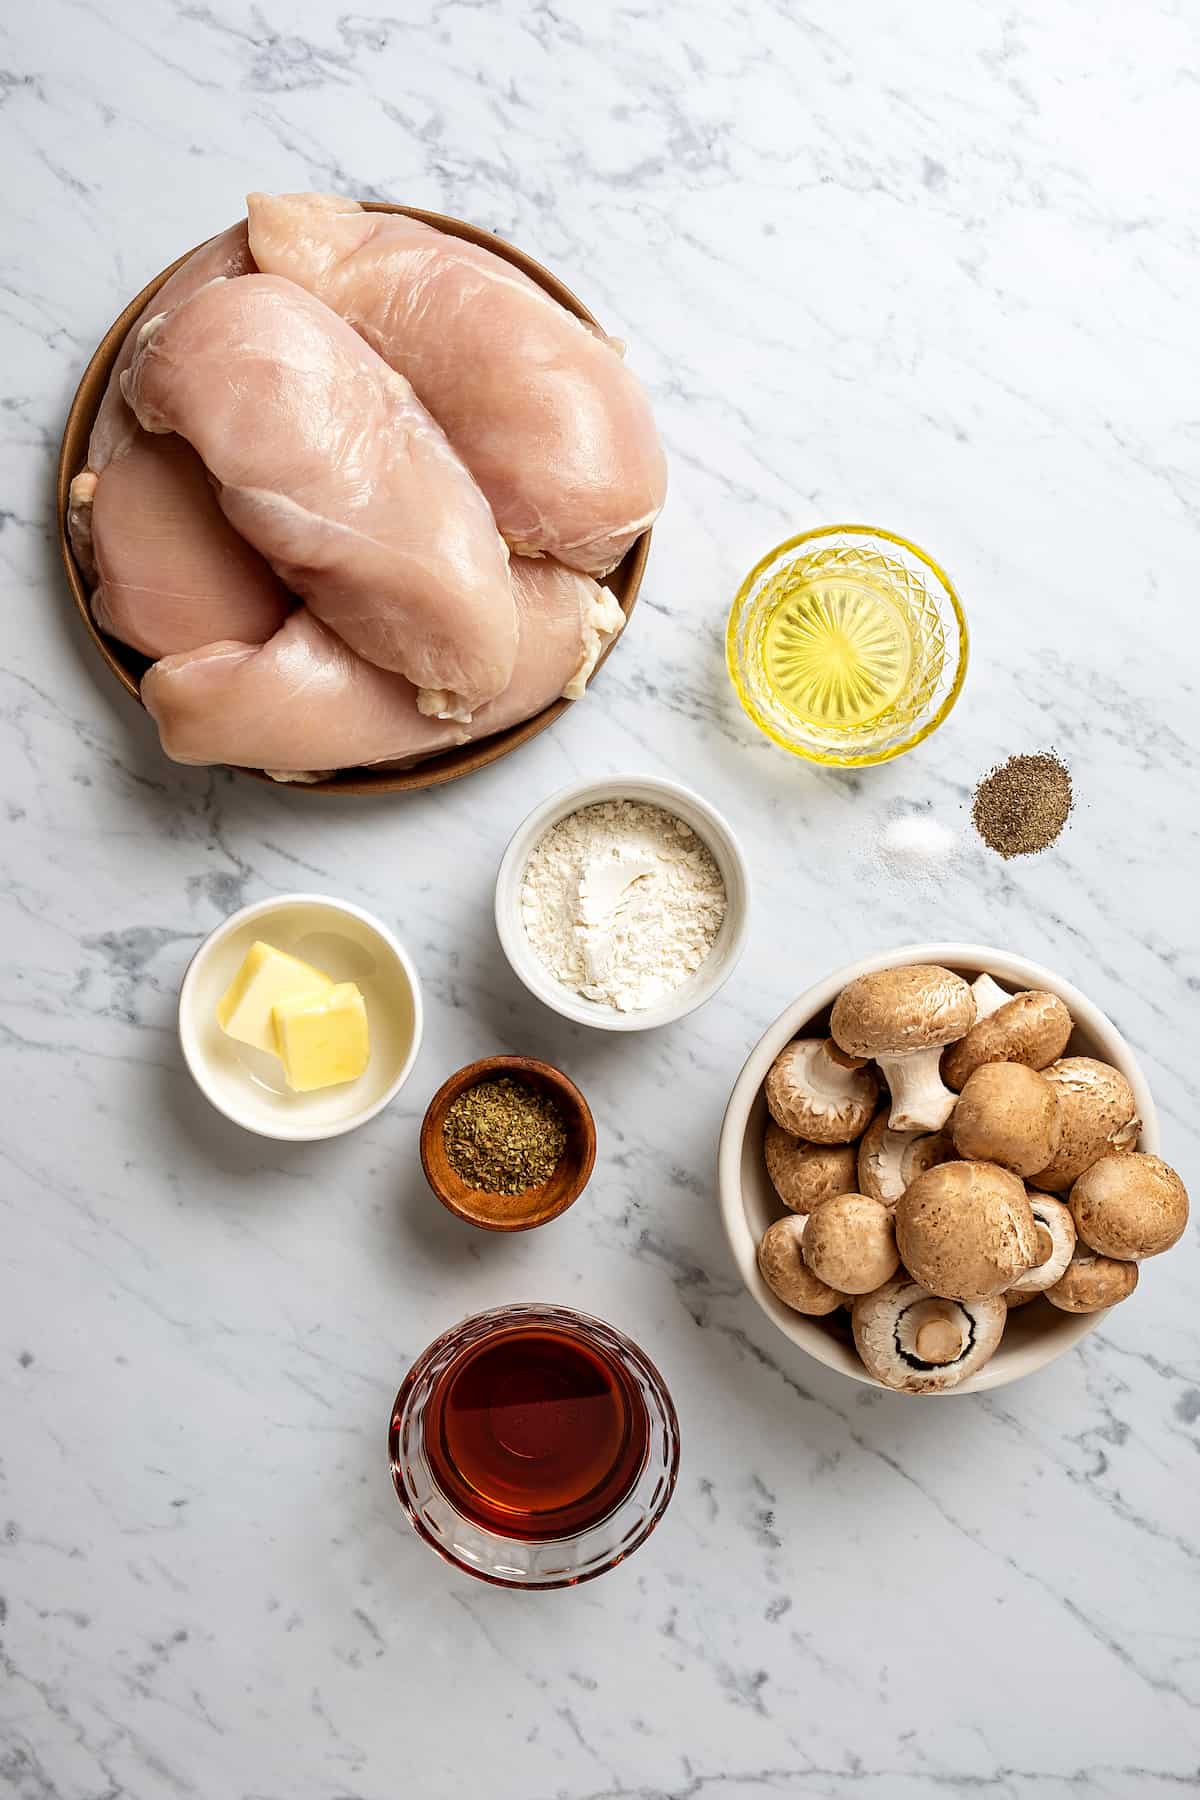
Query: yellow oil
[[840, 647]]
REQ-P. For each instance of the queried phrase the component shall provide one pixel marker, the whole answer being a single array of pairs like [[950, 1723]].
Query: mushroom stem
[[920, 1099], [938, 1341], [989, 996]]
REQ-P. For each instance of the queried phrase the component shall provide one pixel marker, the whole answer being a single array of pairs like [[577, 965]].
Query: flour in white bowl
[[622, 902]]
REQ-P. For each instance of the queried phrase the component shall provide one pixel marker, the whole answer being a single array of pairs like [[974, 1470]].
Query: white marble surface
[[932, 266]]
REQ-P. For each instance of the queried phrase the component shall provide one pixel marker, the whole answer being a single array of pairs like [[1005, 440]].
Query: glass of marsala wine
[[533, 1446]]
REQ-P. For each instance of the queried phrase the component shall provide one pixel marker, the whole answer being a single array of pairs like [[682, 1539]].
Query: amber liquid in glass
[[535, 1433]]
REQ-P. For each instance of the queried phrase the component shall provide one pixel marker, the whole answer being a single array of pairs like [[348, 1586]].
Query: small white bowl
[[721, 960], [344, 942], [1034, 1335]]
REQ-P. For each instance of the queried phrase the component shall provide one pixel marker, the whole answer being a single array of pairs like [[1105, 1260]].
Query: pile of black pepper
[[503, 1136], [1022, 805]]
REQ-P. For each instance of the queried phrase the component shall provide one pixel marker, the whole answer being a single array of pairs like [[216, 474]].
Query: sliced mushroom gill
[[818, 1093], [888, 1161], [1056, 1243], [917, 1343]]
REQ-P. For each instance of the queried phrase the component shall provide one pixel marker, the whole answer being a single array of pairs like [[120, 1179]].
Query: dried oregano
[[503, 1136]]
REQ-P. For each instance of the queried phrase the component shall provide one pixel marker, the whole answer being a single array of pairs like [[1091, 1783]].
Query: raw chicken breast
[[330, 466], [172, 572], [226, 255], [116, 431], [553, 426], [304, 703]]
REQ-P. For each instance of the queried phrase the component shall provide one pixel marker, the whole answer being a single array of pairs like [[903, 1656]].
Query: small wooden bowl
[[129, 666], [511, 1212]]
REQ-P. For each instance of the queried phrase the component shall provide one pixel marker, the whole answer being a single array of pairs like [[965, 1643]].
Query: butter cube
[[267, 976], [323, 1037]]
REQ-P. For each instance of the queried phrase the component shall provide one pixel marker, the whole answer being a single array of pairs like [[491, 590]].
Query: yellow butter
[[267, 977], [323, 1037]]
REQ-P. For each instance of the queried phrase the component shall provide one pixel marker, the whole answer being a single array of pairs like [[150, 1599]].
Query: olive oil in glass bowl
[[847, 645]]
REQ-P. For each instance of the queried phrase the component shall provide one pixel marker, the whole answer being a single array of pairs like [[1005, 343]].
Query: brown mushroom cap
[[805, 1174], [781, 1264], [920, 1343], [1129, 1205], [1092, 1283], [850, 1243], [817, 1093], [888, 1160], [1007, 1114], [965, 1230], [1014, 1297], [893, 1011], [1097, 1112], [1032, 1028]]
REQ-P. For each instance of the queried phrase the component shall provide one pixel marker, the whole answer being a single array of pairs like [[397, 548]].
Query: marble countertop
[[929, 266]]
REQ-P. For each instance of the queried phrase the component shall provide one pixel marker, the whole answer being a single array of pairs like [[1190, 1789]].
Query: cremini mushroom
[[1090, 1283], [817, 1092], [1097, 1112], [921, 1343], [904, 1018], [1129, 1206], [888, 1160], [1014, 1297], [1007, 1114], [1030, 1028], [805, 1174], [782, 1266], [965, 1230], [1056, 1245], [850, 1243]]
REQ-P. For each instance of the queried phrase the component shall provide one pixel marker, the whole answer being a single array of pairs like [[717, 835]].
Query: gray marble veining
[[930, 266]]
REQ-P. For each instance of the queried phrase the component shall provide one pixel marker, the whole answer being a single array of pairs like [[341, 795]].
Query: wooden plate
[[129, 667]]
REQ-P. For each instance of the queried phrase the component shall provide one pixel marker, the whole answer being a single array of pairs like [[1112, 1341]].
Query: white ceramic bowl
[[346, 943], [722, 959], [1035, 1335]]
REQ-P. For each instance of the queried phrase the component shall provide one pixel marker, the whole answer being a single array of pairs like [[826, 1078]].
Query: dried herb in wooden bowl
[[504, 1136]]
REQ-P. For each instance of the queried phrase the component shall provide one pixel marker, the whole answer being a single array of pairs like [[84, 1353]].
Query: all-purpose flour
[[622, 902]]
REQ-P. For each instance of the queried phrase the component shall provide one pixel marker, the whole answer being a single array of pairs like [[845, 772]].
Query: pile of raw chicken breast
[[351, 489]]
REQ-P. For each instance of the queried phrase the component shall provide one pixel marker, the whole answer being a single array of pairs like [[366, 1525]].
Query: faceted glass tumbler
[[516, 1562], [846, 565]]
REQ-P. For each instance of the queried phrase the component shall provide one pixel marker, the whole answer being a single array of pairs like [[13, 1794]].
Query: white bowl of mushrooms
[[940, 1166]]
